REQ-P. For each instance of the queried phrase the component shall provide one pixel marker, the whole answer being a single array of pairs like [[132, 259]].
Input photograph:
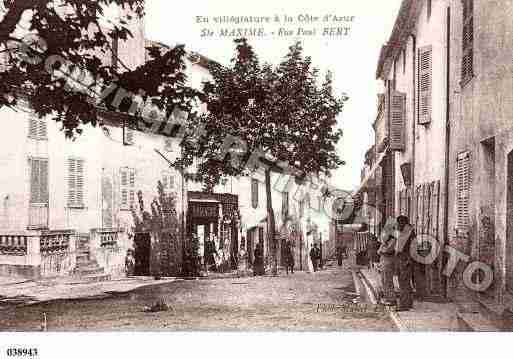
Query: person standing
[[405, 236], [242, 263], [315, 256], [258, 262], [372, 250], [387, 253], [340, 255], [289, 258]]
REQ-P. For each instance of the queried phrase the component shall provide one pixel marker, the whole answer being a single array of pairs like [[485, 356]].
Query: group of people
[[394, 251], [258, 264]]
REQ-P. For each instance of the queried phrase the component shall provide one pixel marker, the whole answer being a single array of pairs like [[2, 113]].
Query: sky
[[352, 58]]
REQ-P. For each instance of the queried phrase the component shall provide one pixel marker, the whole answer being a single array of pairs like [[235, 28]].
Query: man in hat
[[405, 236]]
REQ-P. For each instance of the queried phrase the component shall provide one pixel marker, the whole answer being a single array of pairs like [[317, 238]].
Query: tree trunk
[[271, 221]]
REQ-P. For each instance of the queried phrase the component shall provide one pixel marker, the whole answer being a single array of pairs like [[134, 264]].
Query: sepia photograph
[[273, 167]]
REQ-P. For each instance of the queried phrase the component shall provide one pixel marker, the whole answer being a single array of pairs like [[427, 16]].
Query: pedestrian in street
[[405, 236], [372, 250], [258, 262], [315, 255], [289, 258], [387, 253], [242, 263], [340, 255], [129, 263]]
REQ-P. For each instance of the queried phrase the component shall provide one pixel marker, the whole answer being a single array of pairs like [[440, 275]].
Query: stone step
[[93, 278], [89, 270]]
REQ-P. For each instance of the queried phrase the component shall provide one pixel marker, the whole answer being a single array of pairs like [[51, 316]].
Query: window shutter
[[397, 121], [132, 188], [34, 181], [43, 181], [129, 136], [127, 187], [42, 131], [75, 182], [80, 182], [425, 84], [467, 65], [37, 129], [254, 193], [38, 181], [123, 187], [463, 178], [33, 128], [72, 196]]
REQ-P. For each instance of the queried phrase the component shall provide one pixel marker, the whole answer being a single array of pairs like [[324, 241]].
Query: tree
[[58, 65], [161, 221], [276, 119]]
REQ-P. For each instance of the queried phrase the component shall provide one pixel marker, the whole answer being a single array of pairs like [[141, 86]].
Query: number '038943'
[[22, 352]]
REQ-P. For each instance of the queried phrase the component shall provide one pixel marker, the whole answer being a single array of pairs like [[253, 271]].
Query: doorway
[[142, 245]]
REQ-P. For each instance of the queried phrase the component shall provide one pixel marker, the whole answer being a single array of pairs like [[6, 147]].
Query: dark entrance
[[142, 245]]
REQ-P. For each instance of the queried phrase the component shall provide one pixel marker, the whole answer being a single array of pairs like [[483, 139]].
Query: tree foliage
[[80, 34], [284, 116]]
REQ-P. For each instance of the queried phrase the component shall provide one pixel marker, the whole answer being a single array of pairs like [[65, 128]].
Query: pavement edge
[[371, 294]]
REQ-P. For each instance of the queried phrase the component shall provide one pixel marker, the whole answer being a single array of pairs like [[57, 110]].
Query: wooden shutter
[[254, 193], [37, 129], [397, 120], [127, 187], [467, 61], [463, 178], [123, 188], [425, 83], [128, 136], [39, 181], [75, 182], [131, 189]]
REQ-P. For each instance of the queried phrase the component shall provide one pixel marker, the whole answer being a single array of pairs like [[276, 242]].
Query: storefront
[[215, 216]]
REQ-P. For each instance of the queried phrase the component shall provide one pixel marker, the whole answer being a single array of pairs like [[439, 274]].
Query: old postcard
[[267, 166]]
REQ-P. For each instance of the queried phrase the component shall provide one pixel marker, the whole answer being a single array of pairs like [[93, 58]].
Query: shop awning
[[372, 171]]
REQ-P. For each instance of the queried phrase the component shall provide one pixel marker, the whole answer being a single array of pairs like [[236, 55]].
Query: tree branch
[[13, 16]]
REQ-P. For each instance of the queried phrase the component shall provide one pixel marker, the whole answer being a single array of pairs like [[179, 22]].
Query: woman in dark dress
[[258, 263]]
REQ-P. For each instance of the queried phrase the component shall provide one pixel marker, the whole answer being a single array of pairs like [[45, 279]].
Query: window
[[168, 145], [75, 183], [254, 193], [128, 136], [127, 188], [428, 9], [38, 209], [168, 181], [467, 61], [38, 129], [397, 121], [463, 178], [425, 84]]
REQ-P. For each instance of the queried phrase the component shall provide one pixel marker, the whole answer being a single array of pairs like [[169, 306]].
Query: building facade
[[66, 204], [448, 106]]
